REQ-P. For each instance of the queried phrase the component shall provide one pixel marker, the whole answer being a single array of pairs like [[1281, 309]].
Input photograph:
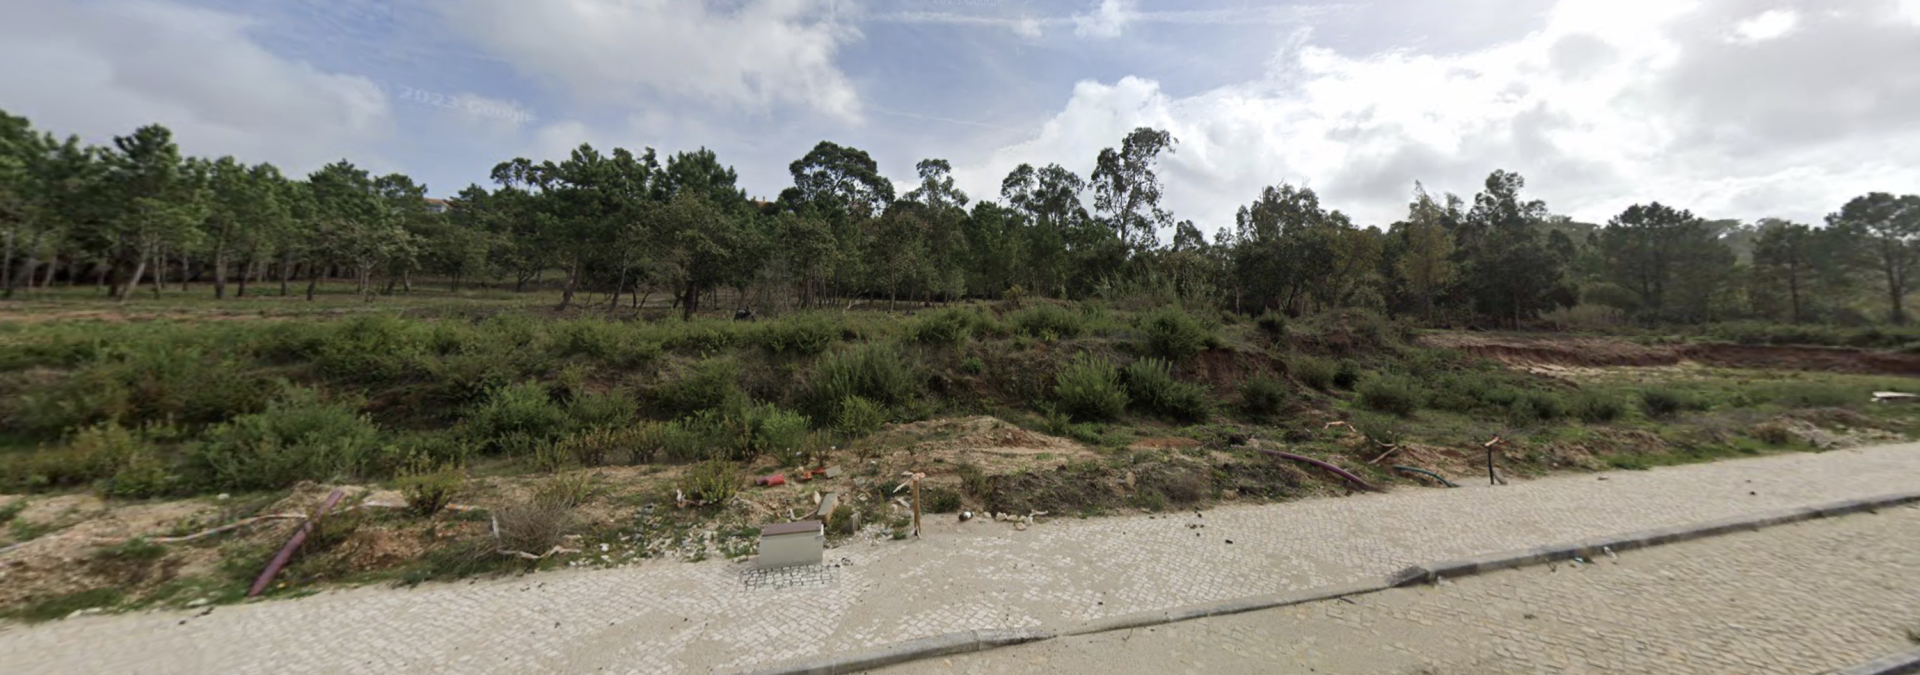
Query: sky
[[1739, 109]]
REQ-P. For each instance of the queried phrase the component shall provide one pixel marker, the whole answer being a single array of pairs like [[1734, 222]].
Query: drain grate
[[798, 576]]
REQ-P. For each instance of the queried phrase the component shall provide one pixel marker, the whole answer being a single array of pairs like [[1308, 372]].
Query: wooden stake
[[916, 506]]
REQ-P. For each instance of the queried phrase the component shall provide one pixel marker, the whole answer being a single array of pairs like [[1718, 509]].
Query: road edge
[[981, 640], [1903, 663]]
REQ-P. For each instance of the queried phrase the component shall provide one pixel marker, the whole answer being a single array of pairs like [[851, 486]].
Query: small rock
[[1229, 541], [197, 602]]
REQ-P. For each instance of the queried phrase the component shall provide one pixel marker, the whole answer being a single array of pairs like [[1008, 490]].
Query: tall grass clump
[[1662, 403], [1151, 387], [1088, 389], [1172, 334], [803, 334], [947, 328], [612, 344], [1047, 322], [877, 372], [1597, 407]]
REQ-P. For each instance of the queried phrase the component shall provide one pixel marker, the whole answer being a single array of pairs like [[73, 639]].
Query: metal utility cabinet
[[791, 544]]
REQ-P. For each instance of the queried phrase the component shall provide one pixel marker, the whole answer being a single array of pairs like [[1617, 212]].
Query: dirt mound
[[1575, 351]]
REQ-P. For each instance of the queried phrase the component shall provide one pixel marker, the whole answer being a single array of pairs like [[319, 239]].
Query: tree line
[[620, 226]]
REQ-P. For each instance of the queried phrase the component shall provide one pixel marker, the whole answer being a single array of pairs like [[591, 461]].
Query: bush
[[565, 490], [876, 372], [800, 334], [1273, 323], [1152, 387], [940, 500], [369, 349], [947, 327], [1815, 395], [1089, 389], [1663, 403], [972, 480], [713, 481], [1263, 395], [714, 383], [1391, 394], [427, 488], [598, 446], [1774, 433], [92, 454], [525, 409], [858, 417], [612, 344], [532, 526], [1346, 374], [1597, 407], [972, 365], [1175, 335], [1378, 428], [602, 410], [749, 431], [1047, 322], [1313, 371], [299, 437], [141, 475]]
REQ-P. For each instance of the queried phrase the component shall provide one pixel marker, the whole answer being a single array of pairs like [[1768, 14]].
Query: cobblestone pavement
[[677, 617], [1798, 599]]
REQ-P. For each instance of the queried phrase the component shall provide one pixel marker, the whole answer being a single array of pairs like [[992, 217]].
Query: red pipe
[[286, 552], [1336, 470]]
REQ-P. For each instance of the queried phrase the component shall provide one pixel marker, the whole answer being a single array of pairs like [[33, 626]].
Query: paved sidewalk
[[1798, 599], [675, 617]]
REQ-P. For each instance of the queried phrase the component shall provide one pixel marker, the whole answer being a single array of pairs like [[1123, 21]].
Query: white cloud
[[750, 55], [1107, 20], [100, 70], [1029, 27], [1606, 106], [1765, 26]]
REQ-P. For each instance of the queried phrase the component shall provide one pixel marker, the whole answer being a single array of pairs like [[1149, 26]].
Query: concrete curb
[[911, 650], [1903, 663], [1587, 549], [980, 640]]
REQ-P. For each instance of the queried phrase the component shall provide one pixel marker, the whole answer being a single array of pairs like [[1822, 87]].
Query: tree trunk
[[406, 281], [220, 272], [573, 280], [159, 270], [6, 267], [690, 299], [186, 271], [286, 271], [313, 280], [53, 265], [139, 270]]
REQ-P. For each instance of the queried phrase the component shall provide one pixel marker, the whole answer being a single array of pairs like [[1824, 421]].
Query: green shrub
[[1089, 389], [858, 417], [973, 481], [564, 490], [602, 410], [1346, 374], [135, 551], [1597, 407], [1378, 428], [141, 475], [525, 409], [972, 365], [1774, 433], [103, 451], [371, 349], [1664, 403], [940, 500], [1536, 407], [803, 334], [1391, 394], [1273, 323], [713, 481], [1047, 322], [1152, 387], [60, 607], [1263, 395], [682, 441], [613, 344], [876, 372], [429, 488], [947, 327], [298, 437], [1174, 334], [713, 383], [1815, 395], [1313, 371]]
